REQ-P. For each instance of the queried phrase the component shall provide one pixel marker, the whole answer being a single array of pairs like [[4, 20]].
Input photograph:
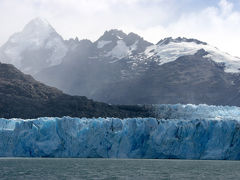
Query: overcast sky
[[214, 21]]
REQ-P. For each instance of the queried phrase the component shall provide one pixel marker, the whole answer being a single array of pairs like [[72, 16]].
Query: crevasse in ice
[[178, 131]]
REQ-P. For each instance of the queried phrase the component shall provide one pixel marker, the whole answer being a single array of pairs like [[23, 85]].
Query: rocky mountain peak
[[131, 38], [113, 35], [38, 24], [117, 44], [36, 47], [168, 40], [36, 32], [110, 39]]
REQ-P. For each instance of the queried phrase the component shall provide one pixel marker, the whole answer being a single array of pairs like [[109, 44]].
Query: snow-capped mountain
[[169, 50], [36, 47], [117, 45], [124, 68]]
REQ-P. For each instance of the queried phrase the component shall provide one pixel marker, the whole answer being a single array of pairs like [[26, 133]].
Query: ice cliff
[[178, 131]]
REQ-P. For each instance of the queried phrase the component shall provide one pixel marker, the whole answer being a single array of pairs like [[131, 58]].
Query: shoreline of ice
[[178, 132]]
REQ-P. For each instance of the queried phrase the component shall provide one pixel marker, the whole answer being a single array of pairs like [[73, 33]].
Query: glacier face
[[180, 131]]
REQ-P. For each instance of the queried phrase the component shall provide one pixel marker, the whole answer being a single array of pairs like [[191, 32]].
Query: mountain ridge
[[121, 68]]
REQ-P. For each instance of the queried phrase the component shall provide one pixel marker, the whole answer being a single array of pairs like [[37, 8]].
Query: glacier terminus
[[177, 132]]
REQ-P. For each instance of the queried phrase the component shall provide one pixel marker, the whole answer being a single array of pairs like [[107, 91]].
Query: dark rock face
[[23, 97]]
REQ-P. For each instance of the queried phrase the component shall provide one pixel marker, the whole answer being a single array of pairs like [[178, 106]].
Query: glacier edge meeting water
[[177, 132]]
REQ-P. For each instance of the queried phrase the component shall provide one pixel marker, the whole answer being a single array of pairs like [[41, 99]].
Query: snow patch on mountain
[[120, 51], [232, 64], [134, 46], [165, 53], [102, 43]]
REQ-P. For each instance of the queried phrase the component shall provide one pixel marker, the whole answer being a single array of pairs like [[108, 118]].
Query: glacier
[[177, 132], [165, 53]]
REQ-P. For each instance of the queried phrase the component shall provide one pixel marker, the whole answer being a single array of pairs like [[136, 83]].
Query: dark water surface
[[21, 168]]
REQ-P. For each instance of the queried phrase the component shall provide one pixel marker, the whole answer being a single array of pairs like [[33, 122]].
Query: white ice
[[166, 53], [179, 131]]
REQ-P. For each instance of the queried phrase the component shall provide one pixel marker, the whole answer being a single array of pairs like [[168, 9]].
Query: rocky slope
[[23, 97]]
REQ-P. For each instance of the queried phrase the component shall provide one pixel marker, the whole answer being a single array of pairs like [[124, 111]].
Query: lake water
[[27, 168]]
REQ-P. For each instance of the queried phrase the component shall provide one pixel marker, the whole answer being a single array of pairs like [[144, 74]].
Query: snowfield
[[165, 53], [180, 131]]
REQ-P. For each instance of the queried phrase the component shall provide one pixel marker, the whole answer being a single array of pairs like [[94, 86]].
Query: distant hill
[[23, 97]]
